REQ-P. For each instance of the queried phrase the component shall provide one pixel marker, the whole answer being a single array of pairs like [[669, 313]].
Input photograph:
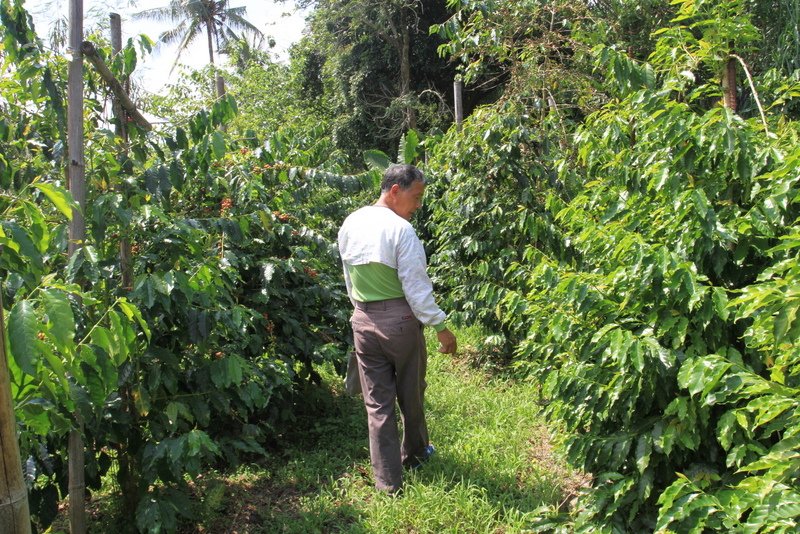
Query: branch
[[755, 94], [90, 52]]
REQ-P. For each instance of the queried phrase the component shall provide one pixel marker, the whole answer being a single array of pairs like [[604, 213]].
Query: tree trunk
[[219, 82], [405, 72], [129, 473], [14, 512], [77, 235], [77, 483], [210, 35], [729, 85], [121, 127]]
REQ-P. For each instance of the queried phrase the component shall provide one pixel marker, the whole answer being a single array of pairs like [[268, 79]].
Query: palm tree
[[193, 17]]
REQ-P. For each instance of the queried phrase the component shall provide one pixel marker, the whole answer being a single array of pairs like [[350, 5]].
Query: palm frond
[[238, 22], [191, 33], [169, 13], [194, 16], [174, 34]]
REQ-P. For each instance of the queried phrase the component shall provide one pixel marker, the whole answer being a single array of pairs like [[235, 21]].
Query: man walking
[[385, 273]]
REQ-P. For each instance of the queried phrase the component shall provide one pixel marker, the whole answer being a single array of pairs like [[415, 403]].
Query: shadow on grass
[[327, 442], [317, 480], [320, 480]]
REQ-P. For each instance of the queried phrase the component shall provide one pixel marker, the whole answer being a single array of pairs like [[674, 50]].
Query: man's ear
[[394, 189]]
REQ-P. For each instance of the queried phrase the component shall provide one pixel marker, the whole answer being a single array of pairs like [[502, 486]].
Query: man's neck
[[381, 202]]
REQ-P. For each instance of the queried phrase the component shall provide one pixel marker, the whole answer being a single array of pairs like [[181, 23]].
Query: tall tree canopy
[[378, 68]]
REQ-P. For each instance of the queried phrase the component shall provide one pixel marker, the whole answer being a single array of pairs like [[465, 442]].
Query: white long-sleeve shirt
[[376, 234]]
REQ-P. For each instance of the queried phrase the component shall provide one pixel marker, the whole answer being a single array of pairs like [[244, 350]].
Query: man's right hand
[[447, 342]]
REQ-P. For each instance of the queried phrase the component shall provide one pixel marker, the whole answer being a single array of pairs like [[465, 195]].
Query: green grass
[[493, 468], [494, 465]]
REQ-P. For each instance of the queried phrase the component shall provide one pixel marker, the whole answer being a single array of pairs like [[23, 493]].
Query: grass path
[[493, 468]]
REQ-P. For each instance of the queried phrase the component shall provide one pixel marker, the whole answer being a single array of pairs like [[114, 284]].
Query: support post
[[128, 472], [458, 89], [77, 235], [14, 512], [729, 85]]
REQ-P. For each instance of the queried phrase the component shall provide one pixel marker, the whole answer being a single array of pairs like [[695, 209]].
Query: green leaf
[[60, 319], [26, 244], [408, 147], [726, 429], [720, 298], [768, 408], [199, 442], [95, 387], [227, 371], [180, 139], [57, 366], [644, 448], [375, 159], [61, 198], [218, 145], [121, 340], [781, 325], [132, 312], [702, 374], [172, 414], [38, 227], [23, 327], [103, 338]]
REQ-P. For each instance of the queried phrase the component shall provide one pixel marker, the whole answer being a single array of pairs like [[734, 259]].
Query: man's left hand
[[447, 342]]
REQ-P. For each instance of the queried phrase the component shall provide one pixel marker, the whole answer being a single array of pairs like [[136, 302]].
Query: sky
[[279, 20]]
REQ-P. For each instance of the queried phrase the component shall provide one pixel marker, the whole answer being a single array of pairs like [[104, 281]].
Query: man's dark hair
[[402, 175]]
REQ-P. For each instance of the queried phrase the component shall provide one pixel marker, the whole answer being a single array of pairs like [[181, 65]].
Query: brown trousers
[[392, 358]]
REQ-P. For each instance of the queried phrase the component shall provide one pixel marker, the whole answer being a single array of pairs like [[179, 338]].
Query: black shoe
[[429, 451]]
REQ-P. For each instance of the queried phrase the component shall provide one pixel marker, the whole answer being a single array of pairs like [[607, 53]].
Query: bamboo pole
[[77, 235], [14, 512]]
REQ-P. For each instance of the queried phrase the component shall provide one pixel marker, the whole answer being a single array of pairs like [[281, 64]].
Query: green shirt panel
[[374, 281]]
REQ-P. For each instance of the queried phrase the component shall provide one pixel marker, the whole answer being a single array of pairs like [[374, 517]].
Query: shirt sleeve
[[348, 283], [417, 286]]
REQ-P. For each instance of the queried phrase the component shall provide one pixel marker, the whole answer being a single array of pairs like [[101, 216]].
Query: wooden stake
[[14, 512], [77, 235], [88, 49], [457, 97], [729, 85], [128, 472]]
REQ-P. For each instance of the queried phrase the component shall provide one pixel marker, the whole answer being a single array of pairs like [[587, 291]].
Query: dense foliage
[[645, 269], [371, 70], [625, 238], [235, 294]]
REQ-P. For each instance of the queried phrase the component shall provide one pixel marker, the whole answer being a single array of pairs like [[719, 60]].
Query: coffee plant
[[234, 297], [626, 240], [645, 271]]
